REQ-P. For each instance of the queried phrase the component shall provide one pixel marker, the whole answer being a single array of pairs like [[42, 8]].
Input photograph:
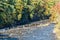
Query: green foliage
[[23, 11]]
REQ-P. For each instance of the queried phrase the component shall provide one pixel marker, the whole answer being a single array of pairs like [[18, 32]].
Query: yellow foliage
[[55, 10], [19, 16], [56, 16], [31, 15]]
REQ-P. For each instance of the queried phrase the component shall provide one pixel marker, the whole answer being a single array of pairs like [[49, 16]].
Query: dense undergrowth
[[17, 12]]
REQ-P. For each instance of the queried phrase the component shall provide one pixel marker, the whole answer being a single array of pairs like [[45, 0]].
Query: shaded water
[[9, 39]]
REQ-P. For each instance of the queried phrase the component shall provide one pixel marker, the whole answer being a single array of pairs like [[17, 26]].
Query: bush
[[13, 12]]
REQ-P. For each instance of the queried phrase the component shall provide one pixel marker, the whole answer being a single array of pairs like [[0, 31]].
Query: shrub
[[13, 12]]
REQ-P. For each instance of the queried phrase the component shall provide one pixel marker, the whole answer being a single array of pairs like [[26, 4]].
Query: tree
[[13, 12]]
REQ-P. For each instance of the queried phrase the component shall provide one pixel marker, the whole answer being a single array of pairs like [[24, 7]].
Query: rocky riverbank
[[26, 26]]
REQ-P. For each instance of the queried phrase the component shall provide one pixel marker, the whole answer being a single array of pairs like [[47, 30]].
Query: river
[[38, 33]]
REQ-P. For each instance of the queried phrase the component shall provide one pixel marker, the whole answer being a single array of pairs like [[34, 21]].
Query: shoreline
[[27, 26]]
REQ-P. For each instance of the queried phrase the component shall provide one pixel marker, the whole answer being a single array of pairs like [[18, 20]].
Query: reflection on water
[[9, 39], [6, 37]]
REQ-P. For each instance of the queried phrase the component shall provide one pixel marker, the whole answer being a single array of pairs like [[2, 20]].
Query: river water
[[43, 33], [39, 33]]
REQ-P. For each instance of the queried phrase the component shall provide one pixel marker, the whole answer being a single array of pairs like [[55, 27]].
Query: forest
[[19, 12]]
